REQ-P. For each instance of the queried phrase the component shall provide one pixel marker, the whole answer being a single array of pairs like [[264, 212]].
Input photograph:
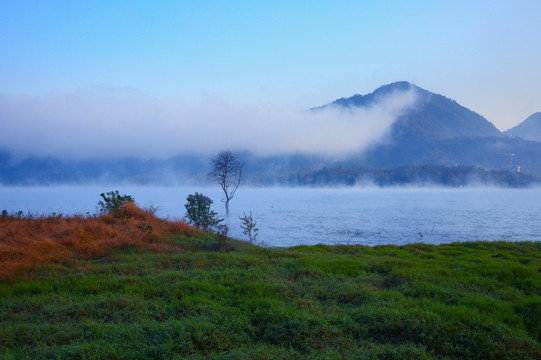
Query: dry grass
[[26, 242]]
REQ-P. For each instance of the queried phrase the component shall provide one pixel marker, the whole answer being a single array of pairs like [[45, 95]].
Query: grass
[[119, 292], [26, 242]]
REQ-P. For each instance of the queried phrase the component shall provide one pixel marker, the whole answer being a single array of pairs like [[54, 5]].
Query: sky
[[70, 67]]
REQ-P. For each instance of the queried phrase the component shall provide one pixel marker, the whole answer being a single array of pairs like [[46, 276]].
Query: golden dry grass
[[26, 242]]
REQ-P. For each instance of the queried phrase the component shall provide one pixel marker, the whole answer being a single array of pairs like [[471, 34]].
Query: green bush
[[112, 201], [198, 212]]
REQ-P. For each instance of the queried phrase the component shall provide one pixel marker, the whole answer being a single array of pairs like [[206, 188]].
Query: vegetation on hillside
[[127, 285], [28, 241]]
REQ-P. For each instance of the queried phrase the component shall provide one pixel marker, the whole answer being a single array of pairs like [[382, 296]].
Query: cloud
[[112, 124]]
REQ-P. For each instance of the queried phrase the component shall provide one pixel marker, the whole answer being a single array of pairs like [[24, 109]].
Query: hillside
[[529, 129]]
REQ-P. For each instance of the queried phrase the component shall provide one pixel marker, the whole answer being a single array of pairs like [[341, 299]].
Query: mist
[[112, 123]]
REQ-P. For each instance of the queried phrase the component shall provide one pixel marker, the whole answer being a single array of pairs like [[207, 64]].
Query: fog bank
[[110, 123]]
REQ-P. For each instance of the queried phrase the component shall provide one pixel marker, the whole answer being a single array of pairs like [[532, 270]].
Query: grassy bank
[[169, 293]]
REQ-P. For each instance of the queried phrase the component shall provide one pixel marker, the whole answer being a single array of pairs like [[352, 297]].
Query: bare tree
[[227, 171]]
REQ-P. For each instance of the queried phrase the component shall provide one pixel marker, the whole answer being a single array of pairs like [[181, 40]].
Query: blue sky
[[288, 54]]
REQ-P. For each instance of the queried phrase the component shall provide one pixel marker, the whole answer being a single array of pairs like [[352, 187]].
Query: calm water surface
[[293, 216]]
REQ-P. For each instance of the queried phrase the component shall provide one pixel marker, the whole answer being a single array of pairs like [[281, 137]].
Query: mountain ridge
[[529, 129]]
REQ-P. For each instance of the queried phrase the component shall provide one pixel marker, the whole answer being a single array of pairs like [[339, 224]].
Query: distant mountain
[[434, 116], [529, 129], [440, 131]]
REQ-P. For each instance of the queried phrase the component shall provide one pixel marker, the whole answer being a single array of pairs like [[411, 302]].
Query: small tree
[[112, 201], [248, 226], [227, 171], [198, 212]]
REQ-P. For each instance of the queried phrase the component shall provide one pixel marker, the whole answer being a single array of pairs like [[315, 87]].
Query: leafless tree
[[227, 171]]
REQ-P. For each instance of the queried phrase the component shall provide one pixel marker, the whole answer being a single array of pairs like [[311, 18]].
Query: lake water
[[295, 216]]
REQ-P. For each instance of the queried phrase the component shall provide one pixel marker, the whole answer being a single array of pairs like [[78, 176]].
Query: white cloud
[[111, 124]]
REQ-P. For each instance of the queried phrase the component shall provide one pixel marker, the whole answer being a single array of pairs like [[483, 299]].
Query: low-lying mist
[[113, 124]]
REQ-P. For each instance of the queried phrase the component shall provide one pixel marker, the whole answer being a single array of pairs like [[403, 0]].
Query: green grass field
[[128, 285], [191, 301]]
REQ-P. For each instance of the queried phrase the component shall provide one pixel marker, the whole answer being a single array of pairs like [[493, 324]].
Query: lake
[[295, 216]]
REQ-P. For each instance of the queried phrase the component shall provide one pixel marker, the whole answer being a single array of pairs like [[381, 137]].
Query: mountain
[[433, 116], [440, 131], [529, 129]]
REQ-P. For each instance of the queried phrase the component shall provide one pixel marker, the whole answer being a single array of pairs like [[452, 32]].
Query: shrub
[[248, 226], [198, 212], [112, 201]]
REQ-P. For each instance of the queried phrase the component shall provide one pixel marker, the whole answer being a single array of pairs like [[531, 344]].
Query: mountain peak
[[398, 85], [358, 100]]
